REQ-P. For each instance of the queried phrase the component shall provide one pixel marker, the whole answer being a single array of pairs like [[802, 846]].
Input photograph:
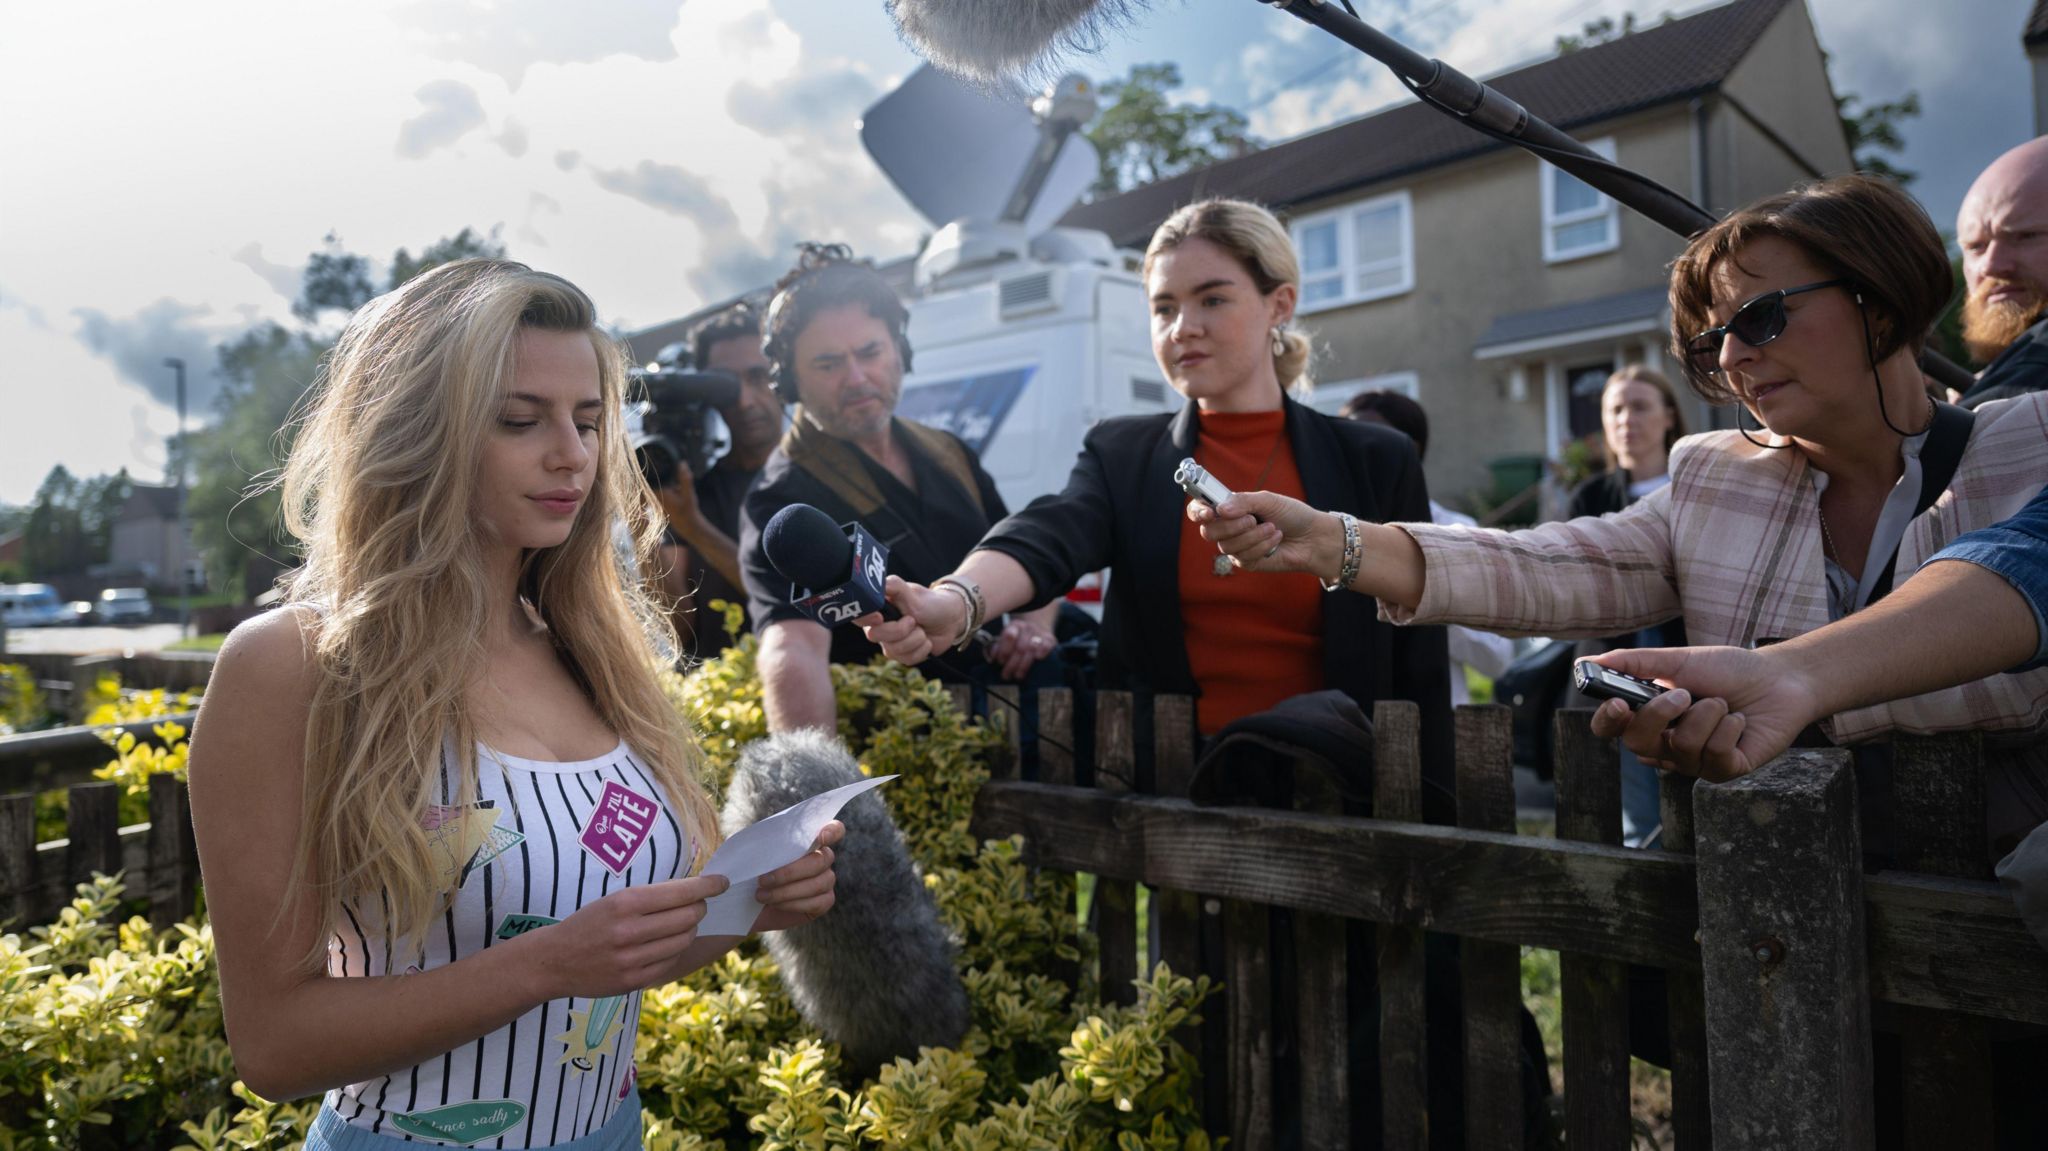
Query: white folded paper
[[754, 851]]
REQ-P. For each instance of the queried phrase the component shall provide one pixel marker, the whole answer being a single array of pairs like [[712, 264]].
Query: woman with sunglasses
[[1808, 309]]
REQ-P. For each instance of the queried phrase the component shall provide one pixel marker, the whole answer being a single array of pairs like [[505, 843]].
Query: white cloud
[[449, 109]]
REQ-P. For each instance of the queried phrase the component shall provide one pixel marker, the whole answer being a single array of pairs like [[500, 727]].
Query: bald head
[[2003, 230]]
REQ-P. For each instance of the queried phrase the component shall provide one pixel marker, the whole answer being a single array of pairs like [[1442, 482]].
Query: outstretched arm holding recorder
[[1976, 609]]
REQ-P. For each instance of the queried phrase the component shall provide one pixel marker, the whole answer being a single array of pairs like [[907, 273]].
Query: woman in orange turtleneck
[[1223, 280]]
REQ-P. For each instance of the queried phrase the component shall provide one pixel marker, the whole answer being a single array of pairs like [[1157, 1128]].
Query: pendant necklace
[[1221, 567]]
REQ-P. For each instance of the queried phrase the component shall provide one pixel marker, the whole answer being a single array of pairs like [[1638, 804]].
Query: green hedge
[[110, 1033]]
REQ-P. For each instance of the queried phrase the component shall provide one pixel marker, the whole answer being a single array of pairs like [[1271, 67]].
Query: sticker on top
[[618, 827]]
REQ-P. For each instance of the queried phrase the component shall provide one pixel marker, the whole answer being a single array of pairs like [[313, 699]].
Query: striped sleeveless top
[[540, 840]]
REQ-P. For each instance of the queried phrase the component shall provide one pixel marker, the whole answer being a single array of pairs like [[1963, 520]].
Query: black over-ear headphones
[[826, 276]]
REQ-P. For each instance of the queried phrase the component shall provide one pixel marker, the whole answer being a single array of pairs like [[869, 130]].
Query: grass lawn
[[198, 642]]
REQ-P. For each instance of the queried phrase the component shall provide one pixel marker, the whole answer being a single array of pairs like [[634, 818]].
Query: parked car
[[32, 605], [81, 611], [125, 605]]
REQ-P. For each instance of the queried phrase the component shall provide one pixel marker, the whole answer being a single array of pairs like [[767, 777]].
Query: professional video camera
[[670, 412]]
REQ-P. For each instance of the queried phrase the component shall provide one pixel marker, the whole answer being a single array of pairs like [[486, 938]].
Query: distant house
[[2036, 39], [146, 545], [1495, 289]]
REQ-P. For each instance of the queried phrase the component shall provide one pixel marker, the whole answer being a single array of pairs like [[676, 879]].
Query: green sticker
[[518, 924], [464, 1123]]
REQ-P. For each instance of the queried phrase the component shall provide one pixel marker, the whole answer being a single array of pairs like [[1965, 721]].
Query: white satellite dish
[[957, 153]]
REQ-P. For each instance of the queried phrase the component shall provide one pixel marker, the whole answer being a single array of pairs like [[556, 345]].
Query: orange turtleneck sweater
[[1253, 640]]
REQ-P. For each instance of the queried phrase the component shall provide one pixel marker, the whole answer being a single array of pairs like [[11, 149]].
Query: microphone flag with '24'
[[835, 572]]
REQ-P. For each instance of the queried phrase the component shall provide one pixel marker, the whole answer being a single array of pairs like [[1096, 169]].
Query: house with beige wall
[[1493, 288]]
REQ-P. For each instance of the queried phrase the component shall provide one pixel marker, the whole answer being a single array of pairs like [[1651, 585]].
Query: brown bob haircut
[[1857, 228]]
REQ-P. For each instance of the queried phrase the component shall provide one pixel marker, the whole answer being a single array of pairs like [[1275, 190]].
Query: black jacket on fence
[[1122, 510]]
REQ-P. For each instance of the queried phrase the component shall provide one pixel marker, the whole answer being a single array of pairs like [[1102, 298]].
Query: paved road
[[89, 640]]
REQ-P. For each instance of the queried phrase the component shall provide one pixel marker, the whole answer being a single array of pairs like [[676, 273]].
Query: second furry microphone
[[998, 43], [875, 974]]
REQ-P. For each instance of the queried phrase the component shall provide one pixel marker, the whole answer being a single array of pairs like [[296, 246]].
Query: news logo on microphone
[[860, 594]]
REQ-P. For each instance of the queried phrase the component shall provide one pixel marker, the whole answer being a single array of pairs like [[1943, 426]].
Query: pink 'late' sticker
[[620, 824]]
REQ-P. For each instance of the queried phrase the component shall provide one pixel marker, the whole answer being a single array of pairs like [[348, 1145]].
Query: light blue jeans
[[332, 1133]]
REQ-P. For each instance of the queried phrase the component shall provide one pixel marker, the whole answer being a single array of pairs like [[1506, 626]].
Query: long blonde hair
[[378, 491], [1259, 242]]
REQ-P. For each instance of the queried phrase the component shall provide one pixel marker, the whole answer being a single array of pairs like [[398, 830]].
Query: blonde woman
[[1222, 279], [447, 821]]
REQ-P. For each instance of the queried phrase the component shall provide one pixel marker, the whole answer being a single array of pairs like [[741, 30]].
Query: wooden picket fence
[[1774, 942]]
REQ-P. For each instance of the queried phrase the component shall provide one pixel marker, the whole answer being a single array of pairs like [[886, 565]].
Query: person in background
[[1640, 422], [1809, 308], [2002, 229], [836, 341], [1480, 651], [704, 512]]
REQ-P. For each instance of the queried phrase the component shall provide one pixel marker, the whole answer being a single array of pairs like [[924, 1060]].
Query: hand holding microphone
[[930, 621]]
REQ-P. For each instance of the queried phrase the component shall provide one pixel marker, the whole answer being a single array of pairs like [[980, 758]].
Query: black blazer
[[1122, 510]]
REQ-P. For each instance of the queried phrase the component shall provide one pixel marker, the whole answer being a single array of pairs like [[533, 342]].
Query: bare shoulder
[[261, 687]]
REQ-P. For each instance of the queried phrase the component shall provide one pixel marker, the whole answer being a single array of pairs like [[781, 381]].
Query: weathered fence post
[[1404, 1062], [93, 825], [1116, 900], [1177, 917], [1785, 955], [1322, 1012], [1692, 1126], [1492, 971], [1594, 991], [1005, 707], [17, 857], [1938, 817], [173, 856], [1247, 931]]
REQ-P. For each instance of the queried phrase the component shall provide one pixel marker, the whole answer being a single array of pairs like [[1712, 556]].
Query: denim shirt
[[2017, 549]]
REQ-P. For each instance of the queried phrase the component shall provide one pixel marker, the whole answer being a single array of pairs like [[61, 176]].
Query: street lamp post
[[184, 560]]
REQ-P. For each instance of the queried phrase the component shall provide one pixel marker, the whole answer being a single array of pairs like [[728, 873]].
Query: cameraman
[[704, 512]]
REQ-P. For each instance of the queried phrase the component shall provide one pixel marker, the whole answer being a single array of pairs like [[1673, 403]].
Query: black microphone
[[875, 974], [835, 572]]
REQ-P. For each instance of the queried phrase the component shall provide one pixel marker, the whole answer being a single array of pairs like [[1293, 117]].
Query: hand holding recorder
[[1735, 710]]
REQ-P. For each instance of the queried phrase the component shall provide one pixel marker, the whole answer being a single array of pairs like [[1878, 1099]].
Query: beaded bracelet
[[1354, 554], [977, 607]]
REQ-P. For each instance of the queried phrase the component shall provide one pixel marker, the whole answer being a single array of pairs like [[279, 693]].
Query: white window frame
[[1347, 247], [1329, 398], [1553, 221]]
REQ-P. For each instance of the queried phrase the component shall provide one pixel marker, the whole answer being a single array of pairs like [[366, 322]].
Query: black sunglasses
[[1756, 323]]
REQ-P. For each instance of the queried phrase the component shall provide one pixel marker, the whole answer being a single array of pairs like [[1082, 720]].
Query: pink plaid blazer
[[1733, 543]]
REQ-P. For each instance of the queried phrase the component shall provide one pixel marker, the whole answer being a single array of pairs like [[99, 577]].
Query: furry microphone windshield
[[874, 974], [998, 44]]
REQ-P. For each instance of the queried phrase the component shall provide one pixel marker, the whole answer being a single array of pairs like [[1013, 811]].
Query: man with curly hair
[[837, 348]]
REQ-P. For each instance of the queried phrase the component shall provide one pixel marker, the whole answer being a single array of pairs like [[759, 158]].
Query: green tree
[[1143, 136], [71, 522], [235, 512], [335, 280], [1875, 129], [463, 245]]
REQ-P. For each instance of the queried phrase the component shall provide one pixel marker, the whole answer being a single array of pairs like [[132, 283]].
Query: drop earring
[[1279, 341]]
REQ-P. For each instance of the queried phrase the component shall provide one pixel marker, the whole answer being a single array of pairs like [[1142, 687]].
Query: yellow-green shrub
[[21, 701]]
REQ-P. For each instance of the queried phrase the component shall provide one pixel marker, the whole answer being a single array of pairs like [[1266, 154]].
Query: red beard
[[1988, 328]]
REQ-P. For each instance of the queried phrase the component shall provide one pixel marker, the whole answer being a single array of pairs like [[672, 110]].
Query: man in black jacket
[[837, 348], [2003, 230]]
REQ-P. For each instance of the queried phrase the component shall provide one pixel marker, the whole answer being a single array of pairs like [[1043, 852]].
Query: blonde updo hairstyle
[[378, 490], [1260, 243]]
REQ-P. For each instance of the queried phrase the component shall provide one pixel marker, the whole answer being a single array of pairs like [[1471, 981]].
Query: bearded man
[[2003, 230]]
